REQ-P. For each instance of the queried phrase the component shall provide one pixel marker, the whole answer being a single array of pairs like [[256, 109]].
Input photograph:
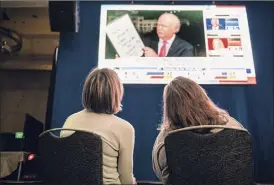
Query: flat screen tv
[[152, 44]]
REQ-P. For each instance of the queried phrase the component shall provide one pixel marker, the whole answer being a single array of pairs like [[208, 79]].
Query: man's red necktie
[[163, 50]]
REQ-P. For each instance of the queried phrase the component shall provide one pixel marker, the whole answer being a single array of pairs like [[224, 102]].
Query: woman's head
[[187, 104], [102, 92]]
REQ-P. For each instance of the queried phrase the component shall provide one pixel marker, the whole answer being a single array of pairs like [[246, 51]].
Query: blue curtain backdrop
[[251, 105]]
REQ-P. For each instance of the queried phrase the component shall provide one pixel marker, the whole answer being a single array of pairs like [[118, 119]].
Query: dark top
[[179, 47]]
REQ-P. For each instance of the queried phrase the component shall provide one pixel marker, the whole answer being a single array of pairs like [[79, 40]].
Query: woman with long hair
[[185, 104], [101, 99]]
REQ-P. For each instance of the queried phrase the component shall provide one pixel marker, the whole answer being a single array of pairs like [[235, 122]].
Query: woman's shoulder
[[77, 114], [162, 135], [232, 122], [121, 123]]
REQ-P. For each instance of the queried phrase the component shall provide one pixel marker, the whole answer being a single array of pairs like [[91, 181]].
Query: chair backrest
[[220, 158], [76, 159]]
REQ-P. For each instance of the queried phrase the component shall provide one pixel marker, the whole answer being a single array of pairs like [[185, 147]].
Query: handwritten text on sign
[[125, 37]]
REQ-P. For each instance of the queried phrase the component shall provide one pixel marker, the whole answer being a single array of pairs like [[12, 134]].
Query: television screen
[[152, 44]]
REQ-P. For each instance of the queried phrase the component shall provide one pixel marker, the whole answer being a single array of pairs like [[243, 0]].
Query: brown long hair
[[187, 104]]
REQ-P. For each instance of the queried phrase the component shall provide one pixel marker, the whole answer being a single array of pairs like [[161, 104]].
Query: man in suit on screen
[[168, 44]]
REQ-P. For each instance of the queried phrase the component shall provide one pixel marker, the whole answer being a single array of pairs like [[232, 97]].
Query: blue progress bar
[[155, 73]]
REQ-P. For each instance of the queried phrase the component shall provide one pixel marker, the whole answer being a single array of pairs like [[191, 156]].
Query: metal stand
[[19, 171]]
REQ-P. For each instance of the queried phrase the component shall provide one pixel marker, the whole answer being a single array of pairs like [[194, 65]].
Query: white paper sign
[[125, 37]]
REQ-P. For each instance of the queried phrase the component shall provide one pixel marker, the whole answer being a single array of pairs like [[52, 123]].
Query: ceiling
[[30, 19], [22, 4]]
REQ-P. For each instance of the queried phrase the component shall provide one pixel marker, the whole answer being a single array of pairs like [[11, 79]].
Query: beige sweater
[[118, 143]]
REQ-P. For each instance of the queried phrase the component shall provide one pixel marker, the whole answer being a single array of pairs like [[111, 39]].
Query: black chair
[[196, 156], [76, 159]]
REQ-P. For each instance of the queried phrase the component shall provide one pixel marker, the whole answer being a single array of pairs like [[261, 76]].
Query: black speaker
[[64, 16]]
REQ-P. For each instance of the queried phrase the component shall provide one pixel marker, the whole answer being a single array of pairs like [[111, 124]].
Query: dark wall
[[22, 92], [251, 105]]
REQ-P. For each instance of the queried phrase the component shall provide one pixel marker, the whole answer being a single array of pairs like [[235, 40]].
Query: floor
[[39, 183]]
